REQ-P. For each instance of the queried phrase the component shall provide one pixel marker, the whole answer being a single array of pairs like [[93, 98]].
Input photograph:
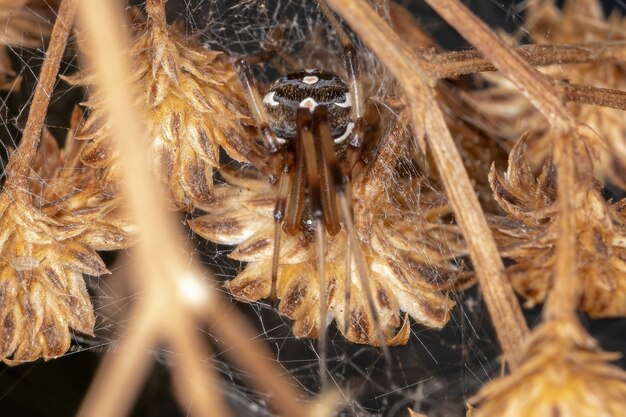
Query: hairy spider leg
[[352, 71], [352, 65], [342, 185], [278, 166], [304, 123], [255, 104], [297, 200], [284, 183], [352, 163]]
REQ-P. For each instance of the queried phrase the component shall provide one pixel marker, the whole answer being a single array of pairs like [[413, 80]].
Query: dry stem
[[456, 63], [19, 165], [407, 68], [585, 94]]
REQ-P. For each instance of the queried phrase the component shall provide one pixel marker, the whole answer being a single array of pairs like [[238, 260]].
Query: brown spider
[[312, 125]]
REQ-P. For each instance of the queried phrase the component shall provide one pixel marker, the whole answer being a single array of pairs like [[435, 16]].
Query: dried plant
[[194, 105], [51, 232], [564, 373], [407, 265], [59, 206], [529, 233], [22, 26]]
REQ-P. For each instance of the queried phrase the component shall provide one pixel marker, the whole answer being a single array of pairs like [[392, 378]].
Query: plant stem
[[584, 94], [156, 11], [427, 118], [456, 63], [20, 163]]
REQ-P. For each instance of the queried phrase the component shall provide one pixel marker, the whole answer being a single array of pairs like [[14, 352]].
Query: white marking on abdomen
[[345, 134], [310, 79], [269, 99], [308, 103], [346, 103]]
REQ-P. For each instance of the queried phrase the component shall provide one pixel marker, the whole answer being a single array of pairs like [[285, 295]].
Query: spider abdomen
[[308, 88]]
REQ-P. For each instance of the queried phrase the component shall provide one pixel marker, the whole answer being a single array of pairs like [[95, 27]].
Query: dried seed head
[[24, 23], [528, 235], [194, 105], [50, 234], [409, 265], [564, 374]]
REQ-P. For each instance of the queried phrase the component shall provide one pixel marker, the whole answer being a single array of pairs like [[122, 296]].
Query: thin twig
[[160, 263], [456, 63], [425, 113], [21, 161], [585, 94]]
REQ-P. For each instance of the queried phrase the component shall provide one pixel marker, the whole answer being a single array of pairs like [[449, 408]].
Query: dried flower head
[[528, 234], [194, 105], [24, 23], [409, 253], [50, 234], [564, 373]]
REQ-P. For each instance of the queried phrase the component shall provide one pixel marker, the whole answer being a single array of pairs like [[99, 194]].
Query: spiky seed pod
[[408, 266], [581, 21], [194, 105], [50, 234], [23, 24], [563, 373], [528, 235]]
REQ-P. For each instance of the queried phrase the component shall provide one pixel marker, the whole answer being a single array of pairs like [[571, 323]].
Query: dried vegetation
[[555, 109]]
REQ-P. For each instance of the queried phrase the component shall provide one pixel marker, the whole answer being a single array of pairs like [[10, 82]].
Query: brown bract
[[50, 234], [563, 373], [408, 251], [194, 105], [529, 233]]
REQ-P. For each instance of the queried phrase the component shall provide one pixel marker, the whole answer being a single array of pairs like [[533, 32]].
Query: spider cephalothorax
[[308, 88]]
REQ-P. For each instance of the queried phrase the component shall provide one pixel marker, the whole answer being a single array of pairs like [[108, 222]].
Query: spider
[[312, 126]]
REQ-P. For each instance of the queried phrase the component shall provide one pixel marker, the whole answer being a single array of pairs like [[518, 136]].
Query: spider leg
[[327, 187], [304, 123], [255, 104], [322, 133], [356, 92], [279, 167], [284, 184], [297, 200], [352, 65]]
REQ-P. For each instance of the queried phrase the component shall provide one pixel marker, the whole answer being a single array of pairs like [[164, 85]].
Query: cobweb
[[435, 373]]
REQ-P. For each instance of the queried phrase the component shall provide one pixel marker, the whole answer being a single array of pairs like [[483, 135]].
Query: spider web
[[435, 373]]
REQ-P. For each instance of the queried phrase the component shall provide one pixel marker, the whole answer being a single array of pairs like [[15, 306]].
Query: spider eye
[[309, 88]]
